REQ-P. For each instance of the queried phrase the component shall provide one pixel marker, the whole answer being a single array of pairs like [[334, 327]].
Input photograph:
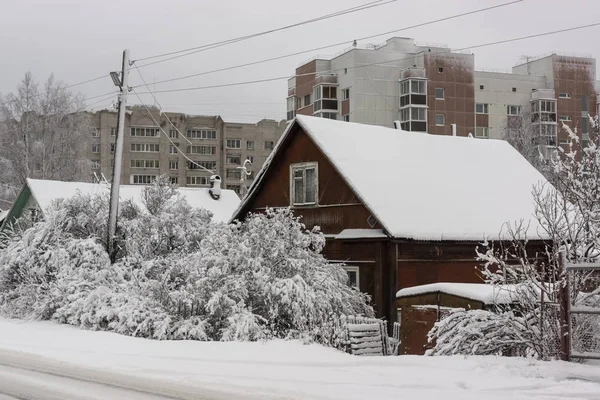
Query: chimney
[[396, 124], [215, 187], [453, 129]]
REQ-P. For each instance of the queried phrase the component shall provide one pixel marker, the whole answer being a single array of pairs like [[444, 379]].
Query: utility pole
[[116, 178]]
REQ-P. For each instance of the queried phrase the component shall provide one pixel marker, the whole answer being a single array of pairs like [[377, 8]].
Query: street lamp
[[115, 77]]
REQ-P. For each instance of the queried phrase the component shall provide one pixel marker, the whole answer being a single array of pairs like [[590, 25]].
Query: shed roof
[[426, 187], [46, 191], [487, 294]]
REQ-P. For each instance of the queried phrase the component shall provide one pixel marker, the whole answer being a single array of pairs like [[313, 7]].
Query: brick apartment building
[[428, 88], [209, 141]]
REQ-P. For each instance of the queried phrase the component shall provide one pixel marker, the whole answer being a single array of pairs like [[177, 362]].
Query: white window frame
[[175, 164], [564, 118], [249, 144], [564, 95], [346, 94], [484, 106], [443, 93], [353, 269], [443, 119], [517, 110], [346, 118], [95, 164], [173, 134], [304, 166], [485, 129], [95, 132], [95, 148], [233, 143]]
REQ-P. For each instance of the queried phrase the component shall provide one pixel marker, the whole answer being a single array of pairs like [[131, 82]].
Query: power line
[[205, 47], [378, 63], [167, 136], [338, 43], [86, 81]]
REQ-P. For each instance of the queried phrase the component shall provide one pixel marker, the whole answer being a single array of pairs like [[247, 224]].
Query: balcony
[[326, 79], [413, 72], [543, 94]]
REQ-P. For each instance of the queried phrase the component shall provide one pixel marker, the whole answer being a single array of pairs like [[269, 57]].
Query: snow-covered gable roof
[[427, 187], [45, 192], [487, 294]]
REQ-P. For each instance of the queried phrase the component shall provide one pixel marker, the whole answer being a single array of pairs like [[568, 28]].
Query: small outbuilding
[[420, 307]]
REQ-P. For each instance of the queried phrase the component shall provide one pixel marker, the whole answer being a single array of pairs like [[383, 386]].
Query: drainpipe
[[453, 129]]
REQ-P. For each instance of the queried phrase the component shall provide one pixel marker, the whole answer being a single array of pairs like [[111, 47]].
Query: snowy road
[[26, 376]]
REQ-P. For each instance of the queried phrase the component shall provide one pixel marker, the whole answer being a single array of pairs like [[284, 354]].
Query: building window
[[173, 165], [440, 119], [197, 180], [513, 110], [413, 119], [481, 132], [234, 159], [142, 179], [544, 110], [95, 132], [202, 165], [564, 95], [235, 188], [112, 147], [95, 164], [346, 94], [413, 91], [514, 89], [251, 158], [564, 118], [95, 147], [113, 131], [202, 150], [250, 145], [201, 134], [269, 145], [346, 118], [291, 107], [440, 70], [173, 134], [325, 98], [481, 87], [353, 276], [481, 108], [145, 132], [234, 144], [304, 183], [174, 180], [327, 115], [307, 100], [234, 174], [145, 147], [564, 142], [144, 164], [439, 93]]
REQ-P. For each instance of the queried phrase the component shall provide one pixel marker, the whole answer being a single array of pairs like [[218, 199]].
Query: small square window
[[353, 276], [440, 119], [514, 89], [439, 93], [345, 70], [440, 70], [481, 87], [346, 118]]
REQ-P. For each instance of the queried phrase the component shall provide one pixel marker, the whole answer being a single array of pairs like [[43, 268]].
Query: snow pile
[[177, 275], [485, 293]]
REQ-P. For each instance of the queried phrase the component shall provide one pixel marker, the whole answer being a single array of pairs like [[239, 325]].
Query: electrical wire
[[167, 136], [378, 63], [337, 44], [209, 46], [156, 101]]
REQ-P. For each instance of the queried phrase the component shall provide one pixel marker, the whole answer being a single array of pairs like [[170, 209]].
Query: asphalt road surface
[[26, 376]]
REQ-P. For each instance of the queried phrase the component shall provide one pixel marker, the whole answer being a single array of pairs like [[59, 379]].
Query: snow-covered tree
[[42, 135]]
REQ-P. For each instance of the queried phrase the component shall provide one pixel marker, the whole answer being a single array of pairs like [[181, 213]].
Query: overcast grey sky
[[82, 39]]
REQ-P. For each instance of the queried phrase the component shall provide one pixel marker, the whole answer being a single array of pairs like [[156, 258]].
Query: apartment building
[[430, 88], [193, 148]]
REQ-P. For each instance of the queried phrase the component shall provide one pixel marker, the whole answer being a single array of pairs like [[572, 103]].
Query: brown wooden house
[[399, 208]]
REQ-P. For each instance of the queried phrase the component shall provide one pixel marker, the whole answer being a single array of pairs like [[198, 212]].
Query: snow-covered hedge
[[177, 275]]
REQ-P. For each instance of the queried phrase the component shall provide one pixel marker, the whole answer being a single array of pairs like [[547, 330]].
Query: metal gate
[[583, 282]]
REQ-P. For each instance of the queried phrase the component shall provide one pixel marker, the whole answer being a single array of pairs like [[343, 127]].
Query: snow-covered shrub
[[481, 332]]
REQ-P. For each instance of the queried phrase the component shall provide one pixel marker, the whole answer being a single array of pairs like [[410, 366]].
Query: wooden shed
[[420, 307]]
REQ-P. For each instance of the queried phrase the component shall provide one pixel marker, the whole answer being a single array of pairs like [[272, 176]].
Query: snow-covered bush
[[481, 332], [177, 275]]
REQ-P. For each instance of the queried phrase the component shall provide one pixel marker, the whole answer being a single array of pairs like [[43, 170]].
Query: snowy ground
[[287, 370]]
